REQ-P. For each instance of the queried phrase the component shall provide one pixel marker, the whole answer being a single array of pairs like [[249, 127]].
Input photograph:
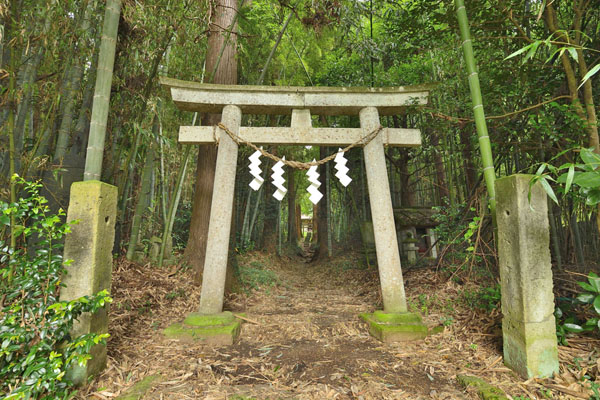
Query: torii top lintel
[[211, 98]]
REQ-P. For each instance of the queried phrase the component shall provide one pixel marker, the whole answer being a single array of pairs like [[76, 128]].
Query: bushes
[[35, 346]]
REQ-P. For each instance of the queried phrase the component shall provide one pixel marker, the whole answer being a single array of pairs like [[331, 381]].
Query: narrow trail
[[305, 341]]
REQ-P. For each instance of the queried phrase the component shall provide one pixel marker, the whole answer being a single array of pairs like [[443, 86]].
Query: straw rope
[[363, 141]]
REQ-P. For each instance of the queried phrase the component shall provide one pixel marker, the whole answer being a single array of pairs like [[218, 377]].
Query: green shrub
[[35, 345], [567, 310], [256, 275], [485, 299]]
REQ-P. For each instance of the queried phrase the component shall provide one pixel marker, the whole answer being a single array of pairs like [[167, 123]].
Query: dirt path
[[307, 341]]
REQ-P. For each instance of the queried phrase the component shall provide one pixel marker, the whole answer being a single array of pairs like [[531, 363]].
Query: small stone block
[[395, 327], [212, 329]]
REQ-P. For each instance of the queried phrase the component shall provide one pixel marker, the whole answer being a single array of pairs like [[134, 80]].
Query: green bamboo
[[173, 206], [11, 138], [144, 196], [106, 62], [168, 229], [274, 48], [484, 140], [72, 86]]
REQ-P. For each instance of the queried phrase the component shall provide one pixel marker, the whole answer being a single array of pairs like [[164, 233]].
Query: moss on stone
[[395, 327], [396, 318], [436, 329], [196, 319], [484, 389], [219, 330], [137, 391]]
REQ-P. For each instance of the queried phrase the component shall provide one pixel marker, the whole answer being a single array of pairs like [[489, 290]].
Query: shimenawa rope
[[363, 141]]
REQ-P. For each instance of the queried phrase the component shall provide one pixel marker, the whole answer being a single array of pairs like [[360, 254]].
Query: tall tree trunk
[[292, 232], [100, 107], [323, 213], [587, 112], [225, 66]]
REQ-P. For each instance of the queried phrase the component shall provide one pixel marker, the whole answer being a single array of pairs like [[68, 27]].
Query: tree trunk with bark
[[221, 58]]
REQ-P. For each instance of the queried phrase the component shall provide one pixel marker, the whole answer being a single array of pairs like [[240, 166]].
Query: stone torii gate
[[211, 323]]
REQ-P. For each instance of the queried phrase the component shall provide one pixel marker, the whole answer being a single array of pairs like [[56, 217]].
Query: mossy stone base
[[395, 327], [484, 389], [212, 329]]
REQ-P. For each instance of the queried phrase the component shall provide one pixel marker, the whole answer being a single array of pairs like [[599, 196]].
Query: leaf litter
[[302, 339]]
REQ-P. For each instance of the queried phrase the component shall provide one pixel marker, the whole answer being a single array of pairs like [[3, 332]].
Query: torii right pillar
[[394, 323]]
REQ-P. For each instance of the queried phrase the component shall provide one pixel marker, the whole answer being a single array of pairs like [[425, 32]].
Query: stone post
[[411, 249], [386, 243], [217, 244], [432, 239], [89, 245], [528, 326]]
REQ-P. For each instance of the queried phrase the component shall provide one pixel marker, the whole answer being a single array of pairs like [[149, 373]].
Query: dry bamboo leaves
[[302, 339]]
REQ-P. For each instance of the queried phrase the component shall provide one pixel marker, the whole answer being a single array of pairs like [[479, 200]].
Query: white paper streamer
[[255, 170], [313, 188], [278, 180], [342, 170]]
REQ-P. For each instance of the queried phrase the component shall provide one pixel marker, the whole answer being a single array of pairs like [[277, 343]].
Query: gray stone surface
[[386, 242], [89, 245], [528, 326], [217, 245], [398, 137], [192, 96]]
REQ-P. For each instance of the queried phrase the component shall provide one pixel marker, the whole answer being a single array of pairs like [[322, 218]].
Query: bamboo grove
[[537, 103]]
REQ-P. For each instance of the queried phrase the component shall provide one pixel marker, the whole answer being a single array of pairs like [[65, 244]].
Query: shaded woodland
[[535, 104], [538, 65]]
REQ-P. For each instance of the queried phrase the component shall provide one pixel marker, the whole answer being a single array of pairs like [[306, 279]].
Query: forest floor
[[303, 339]]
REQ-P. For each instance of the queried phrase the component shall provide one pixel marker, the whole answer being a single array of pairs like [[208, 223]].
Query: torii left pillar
[[211, 324]]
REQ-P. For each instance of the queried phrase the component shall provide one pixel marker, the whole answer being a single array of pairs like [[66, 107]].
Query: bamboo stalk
[[144, 196], [100, 107], [484, 140], [272, 53], [175, 200]]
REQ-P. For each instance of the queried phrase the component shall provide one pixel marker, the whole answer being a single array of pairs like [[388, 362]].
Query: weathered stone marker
[[528, 327], [232, 101], [90, 245]]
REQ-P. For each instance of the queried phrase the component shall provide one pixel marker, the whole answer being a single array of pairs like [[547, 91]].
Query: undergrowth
[[256, 275], [36, 348]]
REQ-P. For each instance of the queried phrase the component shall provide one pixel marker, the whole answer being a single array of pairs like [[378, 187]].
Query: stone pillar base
[[530, 348], [221, 329], [395, 327]]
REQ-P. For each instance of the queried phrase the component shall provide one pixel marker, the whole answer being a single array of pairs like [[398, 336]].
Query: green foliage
[[181, 226], [566, 313], [486, 298], [591, 296], [256, 275], [458, 227], [584, 175], [36, 348]]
